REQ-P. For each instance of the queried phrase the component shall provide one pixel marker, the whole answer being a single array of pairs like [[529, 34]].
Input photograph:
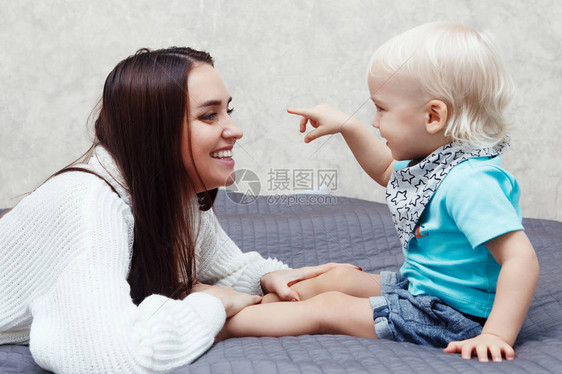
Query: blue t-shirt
[[477, 201]]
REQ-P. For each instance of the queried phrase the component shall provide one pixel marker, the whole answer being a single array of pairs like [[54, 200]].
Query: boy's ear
[[436, 116]]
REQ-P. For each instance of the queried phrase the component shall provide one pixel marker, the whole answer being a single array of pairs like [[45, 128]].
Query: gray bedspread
[[359, 232]]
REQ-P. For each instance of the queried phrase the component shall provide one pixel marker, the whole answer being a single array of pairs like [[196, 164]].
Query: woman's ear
[[436, 116]]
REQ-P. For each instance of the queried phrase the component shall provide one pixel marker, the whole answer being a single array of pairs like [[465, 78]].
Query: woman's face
[[213, 132]]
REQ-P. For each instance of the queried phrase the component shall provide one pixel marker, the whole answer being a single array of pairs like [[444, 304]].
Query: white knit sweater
[[65, 252]]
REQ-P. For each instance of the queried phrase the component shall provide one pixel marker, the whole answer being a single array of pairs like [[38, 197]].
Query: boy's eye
[[379, 108]]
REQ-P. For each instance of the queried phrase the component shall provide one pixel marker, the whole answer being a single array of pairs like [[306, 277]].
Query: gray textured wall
[[55, 56]]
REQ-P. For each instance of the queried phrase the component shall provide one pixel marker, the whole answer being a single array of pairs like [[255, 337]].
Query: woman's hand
[[482, 345], [324, 118], [280, 281], [232, 300]]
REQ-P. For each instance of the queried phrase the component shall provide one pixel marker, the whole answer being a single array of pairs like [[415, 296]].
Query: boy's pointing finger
[[305, 113], [299, 111], [304, 120]]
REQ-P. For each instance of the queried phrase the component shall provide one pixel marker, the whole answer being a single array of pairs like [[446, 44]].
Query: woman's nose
[[231, 130]]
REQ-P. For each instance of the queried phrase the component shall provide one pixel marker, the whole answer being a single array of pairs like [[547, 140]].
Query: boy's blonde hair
[[459, 66]]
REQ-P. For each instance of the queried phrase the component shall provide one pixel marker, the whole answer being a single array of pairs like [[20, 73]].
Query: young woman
[[95, 265]]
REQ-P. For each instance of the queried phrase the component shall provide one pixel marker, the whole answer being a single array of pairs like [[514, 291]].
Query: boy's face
[[401, 114]]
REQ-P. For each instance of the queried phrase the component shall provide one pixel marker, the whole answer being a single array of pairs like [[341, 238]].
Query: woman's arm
[[222, 263], [84, 318]]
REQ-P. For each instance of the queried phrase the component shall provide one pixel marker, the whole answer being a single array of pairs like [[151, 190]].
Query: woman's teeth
[[222, 154]]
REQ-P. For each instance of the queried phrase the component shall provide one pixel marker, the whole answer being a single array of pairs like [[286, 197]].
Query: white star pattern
[[407, 176], [403, 213], [396, 200], [408, 195]]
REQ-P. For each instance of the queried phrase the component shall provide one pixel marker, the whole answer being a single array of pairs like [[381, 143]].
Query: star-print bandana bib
[[410, 189]]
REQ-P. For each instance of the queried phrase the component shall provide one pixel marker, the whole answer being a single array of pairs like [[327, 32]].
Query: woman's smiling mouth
[[223, 155]]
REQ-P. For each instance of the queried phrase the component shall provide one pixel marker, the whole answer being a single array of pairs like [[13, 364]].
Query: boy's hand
[[482, 344], [324, 118]]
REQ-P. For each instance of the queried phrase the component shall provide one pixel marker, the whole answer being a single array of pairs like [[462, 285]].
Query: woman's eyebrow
[[213, 103]]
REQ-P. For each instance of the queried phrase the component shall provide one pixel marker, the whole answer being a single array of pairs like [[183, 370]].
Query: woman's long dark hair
[[143, 111]]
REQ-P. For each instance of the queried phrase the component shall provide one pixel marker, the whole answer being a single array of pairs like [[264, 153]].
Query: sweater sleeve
[[221, 262], [85, 321]]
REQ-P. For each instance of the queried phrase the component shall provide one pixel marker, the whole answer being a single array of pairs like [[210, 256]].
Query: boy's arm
[[372, 154], [515, 287]]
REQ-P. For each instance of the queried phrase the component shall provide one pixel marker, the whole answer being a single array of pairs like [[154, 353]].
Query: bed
[[341, 229]]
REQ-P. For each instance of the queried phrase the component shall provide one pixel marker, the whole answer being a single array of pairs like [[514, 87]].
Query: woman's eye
[[208, 116], [213, 115]]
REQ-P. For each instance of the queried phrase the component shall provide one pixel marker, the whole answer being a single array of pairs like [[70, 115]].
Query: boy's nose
[[375, 123]]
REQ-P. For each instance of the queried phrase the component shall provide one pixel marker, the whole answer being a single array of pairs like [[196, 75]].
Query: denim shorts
[[421, 319]]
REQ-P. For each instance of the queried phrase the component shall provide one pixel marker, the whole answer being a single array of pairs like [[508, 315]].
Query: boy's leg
[[327, 313], [343, 279]]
